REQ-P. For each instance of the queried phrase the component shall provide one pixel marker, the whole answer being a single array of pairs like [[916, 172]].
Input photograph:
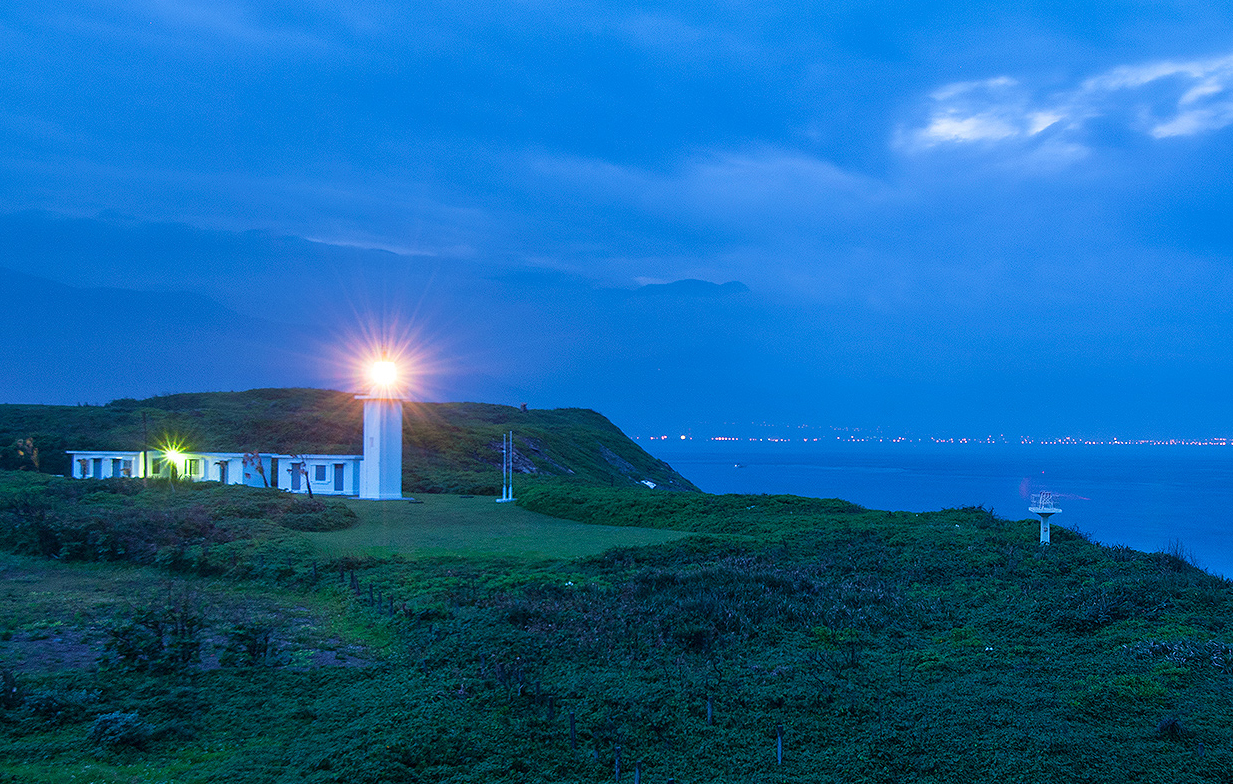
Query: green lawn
[[455, 525]]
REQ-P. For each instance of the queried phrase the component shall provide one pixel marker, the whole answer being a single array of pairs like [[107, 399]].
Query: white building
[[325, 474]]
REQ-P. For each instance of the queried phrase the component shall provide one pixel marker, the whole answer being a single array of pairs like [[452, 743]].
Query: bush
[[1171, 728], [161, 636], [11, 695], [331, 517], [249, 645], [55, 707], [119, 731]]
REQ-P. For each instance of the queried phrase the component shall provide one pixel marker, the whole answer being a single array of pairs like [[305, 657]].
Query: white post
[[381, 471], [1043, 506]]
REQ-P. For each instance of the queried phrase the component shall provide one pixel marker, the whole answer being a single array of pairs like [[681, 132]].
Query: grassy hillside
[[447, 447], [470, 526], [880, 647]]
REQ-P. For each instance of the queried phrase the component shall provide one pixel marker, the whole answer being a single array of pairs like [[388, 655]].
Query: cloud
[[725, 186], [1159, 99]]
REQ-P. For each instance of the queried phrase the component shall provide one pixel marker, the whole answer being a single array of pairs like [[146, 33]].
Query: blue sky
[[949, 220]]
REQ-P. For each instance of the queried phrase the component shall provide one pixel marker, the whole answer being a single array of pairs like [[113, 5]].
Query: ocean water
[[1146, 497]]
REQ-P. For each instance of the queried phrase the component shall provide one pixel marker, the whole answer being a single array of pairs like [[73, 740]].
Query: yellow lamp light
[[384, 374]]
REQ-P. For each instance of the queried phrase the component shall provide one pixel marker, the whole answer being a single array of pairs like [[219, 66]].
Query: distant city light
[[851, 437]]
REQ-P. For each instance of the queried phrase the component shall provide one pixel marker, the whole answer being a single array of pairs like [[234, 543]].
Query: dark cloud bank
[[155, 308]]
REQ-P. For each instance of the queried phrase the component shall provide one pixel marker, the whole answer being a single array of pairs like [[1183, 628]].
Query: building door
[[273, 472], [117, 467], [338, 477], [98, 468], [296, 470], [222, 471]]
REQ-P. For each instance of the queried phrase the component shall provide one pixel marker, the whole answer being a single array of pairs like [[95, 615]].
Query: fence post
[[710, 711], [638, 772], [779, 743], [616, 764]]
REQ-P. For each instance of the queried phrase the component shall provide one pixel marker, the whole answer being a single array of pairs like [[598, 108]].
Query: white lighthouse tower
[[1042, 504], [381, 471]]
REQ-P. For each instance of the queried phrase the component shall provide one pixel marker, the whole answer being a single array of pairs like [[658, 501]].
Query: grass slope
[[886, 647], [461, 526], [447, 447]]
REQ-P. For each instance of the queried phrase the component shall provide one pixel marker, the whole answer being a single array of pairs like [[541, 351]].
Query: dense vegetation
[[203, 524], [447, 447], [733, 514], [880, 646]]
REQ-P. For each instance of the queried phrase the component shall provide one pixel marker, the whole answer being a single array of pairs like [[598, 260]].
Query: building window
[[156, 466], [126, 468], [319, 473], [192, 466]]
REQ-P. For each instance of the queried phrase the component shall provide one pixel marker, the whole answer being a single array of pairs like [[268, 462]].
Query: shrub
[[1171, 728], [118, 731], [249, 645], [163, 635], [55, 707], [11, 693], [331, 517]]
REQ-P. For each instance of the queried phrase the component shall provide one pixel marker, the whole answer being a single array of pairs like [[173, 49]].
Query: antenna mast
[[507, 468]]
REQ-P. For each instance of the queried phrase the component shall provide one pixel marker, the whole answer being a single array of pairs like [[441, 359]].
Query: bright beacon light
[[384, 374]]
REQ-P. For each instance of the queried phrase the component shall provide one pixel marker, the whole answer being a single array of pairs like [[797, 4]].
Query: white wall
[[208, 463]]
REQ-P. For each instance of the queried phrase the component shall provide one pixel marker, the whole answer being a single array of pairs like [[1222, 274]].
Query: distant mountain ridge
[[447, 447], [690, 287]]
